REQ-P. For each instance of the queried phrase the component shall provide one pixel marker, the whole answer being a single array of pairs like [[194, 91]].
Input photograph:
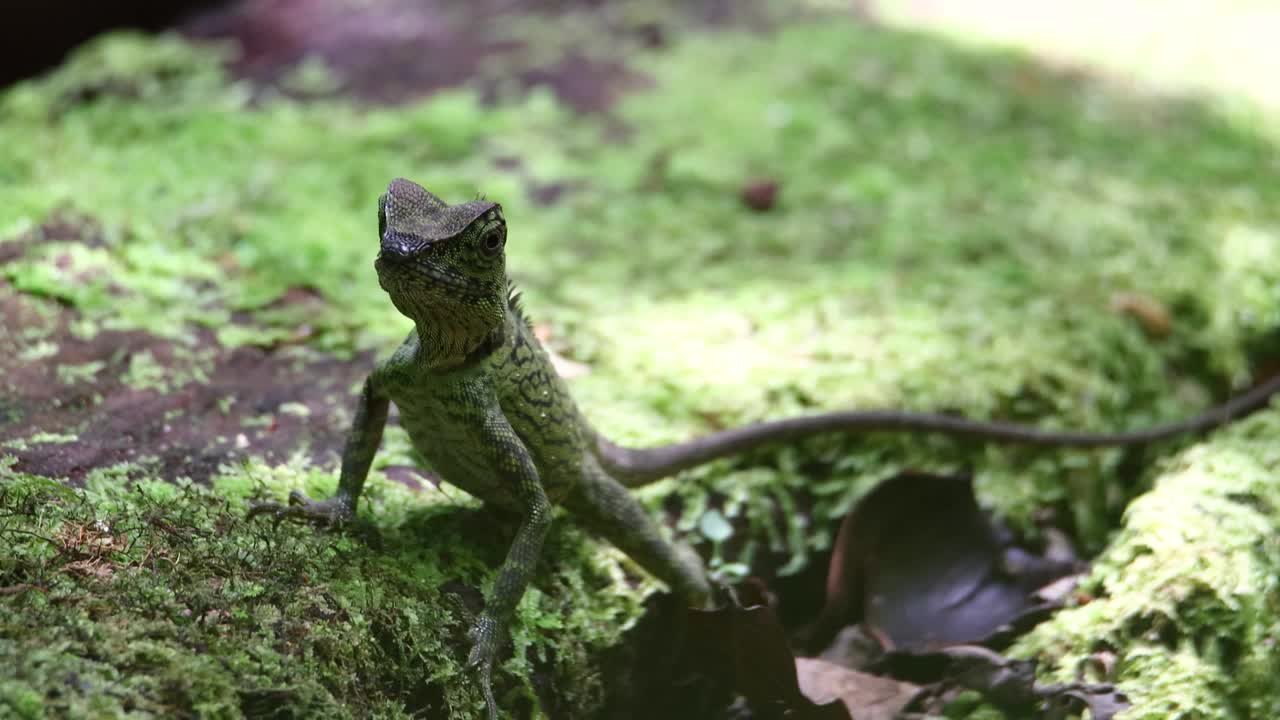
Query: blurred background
[[1219, 46]]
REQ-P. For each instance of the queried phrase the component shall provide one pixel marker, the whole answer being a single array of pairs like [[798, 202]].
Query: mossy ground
[[953, 225], [1188, 601]]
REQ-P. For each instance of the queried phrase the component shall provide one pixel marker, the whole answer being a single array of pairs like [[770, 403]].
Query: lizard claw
[[335, 511], [485, 634]]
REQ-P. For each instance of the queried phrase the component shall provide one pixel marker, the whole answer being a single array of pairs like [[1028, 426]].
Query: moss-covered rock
[[1185, 602], [156, 599]]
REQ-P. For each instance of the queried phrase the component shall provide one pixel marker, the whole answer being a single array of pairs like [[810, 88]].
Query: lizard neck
[[448, 352]]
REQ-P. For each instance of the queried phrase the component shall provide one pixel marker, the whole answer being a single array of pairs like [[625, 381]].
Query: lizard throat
[[442, 353]]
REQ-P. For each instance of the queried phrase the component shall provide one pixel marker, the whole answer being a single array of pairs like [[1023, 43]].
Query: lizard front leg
[[357, 456], [514, 463]]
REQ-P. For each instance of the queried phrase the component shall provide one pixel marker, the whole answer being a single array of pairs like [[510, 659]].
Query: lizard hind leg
[[606, 508]]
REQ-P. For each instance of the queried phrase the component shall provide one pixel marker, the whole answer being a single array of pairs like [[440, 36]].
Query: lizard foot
[[485, 634], [335, 511]]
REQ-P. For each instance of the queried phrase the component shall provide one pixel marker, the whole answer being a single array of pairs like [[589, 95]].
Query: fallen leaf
[[746, 649], [853, 647], [865, 696], [1152, 314], [923, 567]]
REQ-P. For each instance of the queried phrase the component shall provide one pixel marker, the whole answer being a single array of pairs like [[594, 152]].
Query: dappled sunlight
[[1221, 48]]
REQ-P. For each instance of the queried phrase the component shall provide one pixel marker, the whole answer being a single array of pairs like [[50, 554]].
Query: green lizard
[[482, 403]]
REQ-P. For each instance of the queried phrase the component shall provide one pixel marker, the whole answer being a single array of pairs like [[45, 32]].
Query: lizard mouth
[[400, 274]]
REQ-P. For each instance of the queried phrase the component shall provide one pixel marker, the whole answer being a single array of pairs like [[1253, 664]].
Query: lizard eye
[[491, 241]]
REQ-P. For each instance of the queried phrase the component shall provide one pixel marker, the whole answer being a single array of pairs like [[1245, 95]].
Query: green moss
[[39, 351], [41, 437], [159, 599], [85, 372], [1187, 597], [144, 372]]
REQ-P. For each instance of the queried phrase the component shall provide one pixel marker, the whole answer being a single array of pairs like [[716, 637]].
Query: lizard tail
[[634, 467]]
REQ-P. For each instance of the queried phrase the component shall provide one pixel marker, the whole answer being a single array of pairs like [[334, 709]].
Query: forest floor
[[716, 216]]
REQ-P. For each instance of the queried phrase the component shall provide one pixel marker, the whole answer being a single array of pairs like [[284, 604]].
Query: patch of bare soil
[[71, 403], [397, 51]]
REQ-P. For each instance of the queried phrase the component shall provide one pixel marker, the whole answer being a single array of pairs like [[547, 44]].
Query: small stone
[[760, 195]]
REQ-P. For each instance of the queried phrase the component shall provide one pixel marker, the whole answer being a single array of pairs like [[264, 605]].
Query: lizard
[[483, 404]]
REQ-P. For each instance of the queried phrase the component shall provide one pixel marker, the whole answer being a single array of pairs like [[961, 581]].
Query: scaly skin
[[482, 402]]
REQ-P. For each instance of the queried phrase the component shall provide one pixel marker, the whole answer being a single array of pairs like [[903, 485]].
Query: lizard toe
[[331, 512]]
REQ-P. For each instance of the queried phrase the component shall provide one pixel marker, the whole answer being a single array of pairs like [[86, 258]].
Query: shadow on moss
[[163, 600]]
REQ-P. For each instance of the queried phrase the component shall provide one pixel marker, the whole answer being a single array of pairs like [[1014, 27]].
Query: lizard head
[[443, 265]]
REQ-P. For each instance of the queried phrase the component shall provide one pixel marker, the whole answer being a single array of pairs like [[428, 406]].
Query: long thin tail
[[634, 467]]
